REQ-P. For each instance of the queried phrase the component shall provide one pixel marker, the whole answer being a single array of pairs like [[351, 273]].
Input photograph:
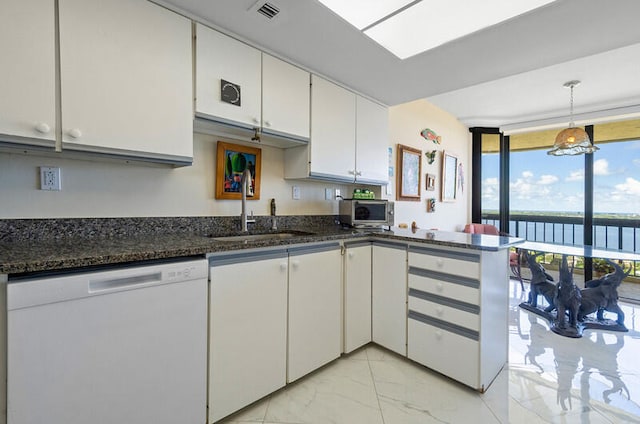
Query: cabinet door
[[333, 130], [285, 98], [219, 57], [372, 141], [27, 86], [389, 297], [126, 78], [248, 325], [314, 309], [357, 296]]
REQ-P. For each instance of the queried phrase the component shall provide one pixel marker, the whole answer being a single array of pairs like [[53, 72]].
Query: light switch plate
[[295, 193], [328, 194]]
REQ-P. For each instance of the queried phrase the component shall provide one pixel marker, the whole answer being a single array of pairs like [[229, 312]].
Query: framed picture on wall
[[231, 161], [449, 177], [409, 173]]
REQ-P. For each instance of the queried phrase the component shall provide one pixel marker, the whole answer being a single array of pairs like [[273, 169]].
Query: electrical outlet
[[296, 193], [50, 178]]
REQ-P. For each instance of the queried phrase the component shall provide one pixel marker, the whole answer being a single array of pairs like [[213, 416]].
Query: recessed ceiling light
[[407, 28]]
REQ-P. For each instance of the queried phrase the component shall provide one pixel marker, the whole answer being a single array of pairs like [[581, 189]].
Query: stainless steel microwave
[[366, 213]]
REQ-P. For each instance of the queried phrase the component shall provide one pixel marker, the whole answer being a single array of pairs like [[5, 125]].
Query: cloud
[[493, 181], [490, 193], [631, 187], [636, 162], [601, 167], [527, 174], [548, 179], [576, 175]]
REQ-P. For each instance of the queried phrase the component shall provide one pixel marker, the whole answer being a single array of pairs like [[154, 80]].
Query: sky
[[539, 182]]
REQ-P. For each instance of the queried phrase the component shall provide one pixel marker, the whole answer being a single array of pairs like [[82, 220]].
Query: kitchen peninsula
[[438, 298]]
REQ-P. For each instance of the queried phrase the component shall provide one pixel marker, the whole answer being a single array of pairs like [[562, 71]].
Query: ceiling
[[510, 75]]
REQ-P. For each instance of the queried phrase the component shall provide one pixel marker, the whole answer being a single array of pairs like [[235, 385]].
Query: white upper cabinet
[[27, 63], [126, 79], [349, 138], [372, 141], [285, 99], [333, 130], [228, 79]]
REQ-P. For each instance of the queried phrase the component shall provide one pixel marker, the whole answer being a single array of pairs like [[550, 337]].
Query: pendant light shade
[[572, 140]]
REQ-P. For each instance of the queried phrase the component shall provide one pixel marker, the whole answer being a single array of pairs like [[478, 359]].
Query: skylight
[[409, 27]]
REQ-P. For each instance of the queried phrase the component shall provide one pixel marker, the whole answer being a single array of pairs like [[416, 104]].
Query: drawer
[[453, 355], [454, 263], [445, 313], [442, 285]]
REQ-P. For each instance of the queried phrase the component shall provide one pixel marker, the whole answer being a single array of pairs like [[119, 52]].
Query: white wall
[[110, 189], [406, 122]]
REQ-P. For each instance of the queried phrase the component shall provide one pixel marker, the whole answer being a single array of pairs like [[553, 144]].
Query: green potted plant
[[602, 267]]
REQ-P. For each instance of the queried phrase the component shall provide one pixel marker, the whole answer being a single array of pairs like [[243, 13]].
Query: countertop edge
[[114, 251]]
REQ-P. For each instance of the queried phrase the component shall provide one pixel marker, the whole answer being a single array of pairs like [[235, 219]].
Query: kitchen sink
[[258, 237]]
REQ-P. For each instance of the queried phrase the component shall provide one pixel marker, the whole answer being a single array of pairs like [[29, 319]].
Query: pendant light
[[572, 140]]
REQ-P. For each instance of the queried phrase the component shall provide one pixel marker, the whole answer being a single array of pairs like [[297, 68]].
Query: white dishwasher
[[127, 345]]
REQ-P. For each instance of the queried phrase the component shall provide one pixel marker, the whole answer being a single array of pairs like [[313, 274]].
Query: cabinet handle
[[350, 254], [358, 173], [255, 120], [438, 334], [42, 128], [75, 133], [267, 123], [283, 266], [295, 264], [439, 262], [439, 311], [439, 287], [351, 172]]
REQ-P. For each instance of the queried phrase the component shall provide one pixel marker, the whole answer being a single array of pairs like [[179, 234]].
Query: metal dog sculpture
[[568, 299], [541, 282], [602, 295]]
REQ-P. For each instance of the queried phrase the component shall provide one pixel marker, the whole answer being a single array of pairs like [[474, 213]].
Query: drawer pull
[[283, 266], [439, 263], [439, 287], [439, 311], [438, 334]]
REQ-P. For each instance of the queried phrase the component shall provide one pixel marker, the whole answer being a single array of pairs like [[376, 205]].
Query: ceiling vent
[[269, 10]]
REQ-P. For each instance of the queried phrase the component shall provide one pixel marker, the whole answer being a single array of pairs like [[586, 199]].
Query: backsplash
[[16, 230]]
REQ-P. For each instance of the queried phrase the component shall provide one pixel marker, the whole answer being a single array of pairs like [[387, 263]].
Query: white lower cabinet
[[458, 306], [274, 316], [279, 314], [314, 308], [389, 295], [357, 295], [247, 329]]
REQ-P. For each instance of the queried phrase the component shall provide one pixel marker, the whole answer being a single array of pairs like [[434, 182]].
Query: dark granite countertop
[[64, 253]]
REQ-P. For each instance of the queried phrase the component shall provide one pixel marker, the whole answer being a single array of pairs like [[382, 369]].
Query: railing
[[608, 233]]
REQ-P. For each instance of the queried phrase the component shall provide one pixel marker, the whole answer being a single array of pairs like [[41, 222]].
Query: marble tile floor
[[549, 379]]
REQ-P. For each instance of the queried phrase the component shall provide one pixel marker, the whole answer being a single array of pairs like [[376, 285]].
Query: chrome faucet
[[273, 215], [245, 184]]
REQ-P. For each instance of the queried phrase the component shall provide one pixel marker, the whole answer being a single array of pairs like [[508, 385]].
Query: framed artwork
[[231, 161], [431, 182], [449, 177], [409, 165]]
